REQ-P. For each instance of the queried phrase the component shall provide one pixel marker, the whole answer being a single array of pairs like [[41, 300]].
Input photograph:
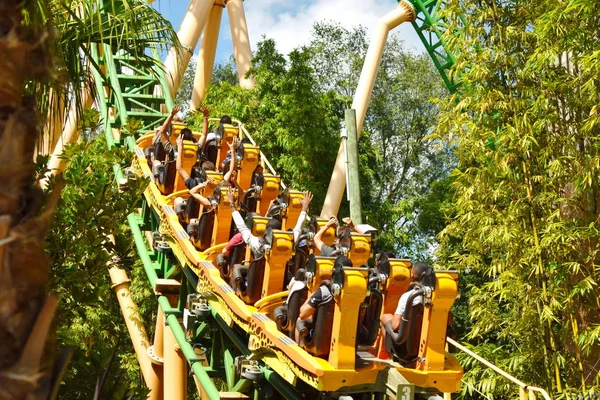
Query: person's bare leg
[[384, 320]]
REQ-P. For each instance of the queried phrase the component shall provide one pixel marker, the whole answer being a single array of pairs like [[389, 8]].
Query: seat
[[368, 322], [236, 257], [192, 209], [315, 332], [247, 280], [165, 174], [287, 315], [200, 230], [404, 343], [298, 260], [211, 151], [250, 157]]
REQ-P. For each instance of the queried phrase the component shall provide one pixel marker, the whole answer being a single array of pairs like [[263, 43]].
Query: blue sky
[[289, 21]]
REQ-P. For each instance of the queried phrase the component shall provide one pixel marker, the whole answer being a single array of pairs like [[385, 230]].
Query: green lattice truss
[[129, 91], [431, 30]]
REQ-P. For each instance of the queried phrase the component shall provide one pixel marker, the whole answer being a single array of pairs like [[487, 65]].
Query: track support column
[[241, 41], [174, 368], [188, 34], [206, 57], [352, 159], [404, 12], [137, 332]]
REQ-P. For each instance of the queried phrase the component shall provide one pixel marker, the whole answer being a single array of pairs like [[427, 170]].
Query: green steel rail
[[432, 31]]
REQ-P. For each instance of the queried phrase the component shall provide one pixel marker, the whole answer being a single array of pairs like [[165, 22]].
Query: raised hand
[[205, 111], [234, 144], [230, 197], [308, 196], [176, 109], [332, 222]]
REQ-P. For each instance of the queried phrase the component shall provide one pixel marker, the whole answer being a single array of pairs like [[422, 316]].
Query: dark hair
[[274, 224], [326, 282], [208, 166], [300, 274], [385, 255], [187, 134], [225, 119], [420, 268]]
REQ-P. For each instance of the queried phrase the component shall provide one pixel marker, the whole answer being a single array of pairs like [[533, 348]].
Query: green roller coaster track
[[126, 90]]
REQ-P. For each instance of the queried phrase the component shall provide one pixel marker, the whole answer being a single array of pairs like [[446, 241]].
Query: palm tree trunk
[[23, 265]]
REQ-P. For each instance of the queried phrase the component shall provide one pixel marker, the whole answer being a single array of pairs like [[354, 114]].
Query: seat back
[[159, 152], [250, 159], [228, 133], [368, 323], [254, 280], [211, 151], [269, 192], [295, 301], [320, 339], [361, 249], [192, 209], [413, 336], [205, 228], [166, 182]]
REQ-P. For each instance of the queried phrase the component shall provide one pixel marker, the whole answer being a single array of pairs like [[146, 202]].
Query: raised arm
[[205, 112], [201, 199], [237, 218], [165, 126], [317, 239], [178, 161], [348, 221], [232, 149], [302, 217]]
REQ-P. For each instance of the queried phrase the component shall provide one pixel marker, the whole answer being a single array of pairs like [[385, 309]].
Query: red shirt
[[237, 239]]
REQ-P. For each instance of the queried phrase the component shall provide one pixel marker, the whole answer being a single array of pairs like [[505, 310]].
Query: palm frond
[[131, 26]]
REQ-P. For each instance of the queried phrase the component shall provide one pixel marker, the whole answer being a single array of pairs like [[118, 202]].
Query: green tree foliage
[[296, 110], [295, 122], [80, 253], [526, 133]]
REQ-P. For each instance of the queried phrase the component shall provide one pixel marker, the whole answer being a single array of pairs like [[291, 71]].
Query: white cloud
[[291, 28]]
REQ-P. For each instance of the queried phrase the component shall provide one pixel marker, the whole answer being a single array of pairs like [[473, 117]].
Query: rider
[[206, 136], [342, 242], [393, 321], [256, 244]]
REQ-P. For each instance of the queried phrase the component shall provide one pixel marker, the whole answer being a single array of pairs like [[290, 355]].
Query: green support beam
[[431, 30]]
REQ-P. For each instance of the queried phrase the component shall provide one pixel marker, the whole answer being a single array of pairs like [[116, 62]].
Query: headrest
[[250, 219], [337, 275]]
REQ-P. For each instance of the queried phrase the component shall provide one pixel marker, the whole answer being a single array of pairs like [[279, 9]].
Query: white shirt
[[296, 286], [404, 299], [255, 243]]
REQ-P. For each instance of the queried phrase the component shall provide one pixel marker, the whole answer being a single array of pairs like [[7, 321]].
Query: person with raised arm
[[308, 196]]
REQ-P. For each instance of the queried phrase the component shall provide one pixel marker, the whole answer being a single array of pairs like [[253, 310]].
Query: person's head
[[384, 256], [417, 271], [300, 275], [274, 224], [225, 119], [186, 134], [344, 239], [208, 166]]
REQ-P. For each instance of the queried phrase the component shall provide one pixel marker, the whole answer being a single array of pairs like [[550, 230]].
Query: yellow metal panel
[[277, 257], [345, 318]]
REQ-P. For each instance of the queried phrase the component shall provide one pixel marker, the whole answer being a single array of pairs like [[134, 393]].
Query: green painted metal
[[187, 349], [431, 29], [129, 91], [135, 221]]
